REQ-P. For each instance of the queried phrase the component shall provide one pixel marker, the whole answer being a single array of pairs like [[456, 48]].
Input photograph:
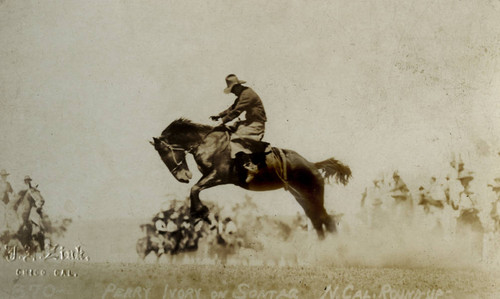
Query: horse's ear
[[36, 187], [155, 141], [152, 143]]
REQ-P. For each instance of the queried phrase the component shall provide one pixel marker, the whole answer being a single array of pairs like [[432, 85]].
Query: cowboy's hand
[[214, 118]]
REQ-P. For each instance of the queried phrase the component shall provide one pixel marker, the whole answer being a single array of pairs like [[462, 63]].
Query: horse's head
[[174, 157], [36, 197]]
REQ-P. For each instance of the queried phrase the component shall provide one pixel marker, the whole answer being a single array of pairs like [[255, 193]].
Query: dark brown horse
[[211, 151]]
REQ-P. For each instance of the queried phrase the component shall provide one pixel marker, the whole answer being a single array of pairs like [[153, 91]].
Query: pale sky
[[379, 85]]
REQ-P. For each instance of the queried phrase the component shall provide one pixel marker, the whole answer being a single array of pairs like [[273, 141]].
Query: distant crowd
[[172, 231], [453, 204], [23, 222], [236, 229]]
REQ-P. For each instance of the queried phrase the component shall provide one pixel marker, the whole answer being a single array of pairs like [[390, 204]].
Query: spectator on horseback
[[249, 131], [5, 187]]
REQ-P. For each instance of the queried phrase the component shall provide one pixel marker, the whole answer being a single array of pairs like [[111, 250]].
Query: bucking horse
[[210, 147]]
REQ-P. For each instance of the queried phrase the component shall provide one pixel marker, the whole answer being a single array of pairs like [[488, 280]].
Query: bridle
[[175, 148]]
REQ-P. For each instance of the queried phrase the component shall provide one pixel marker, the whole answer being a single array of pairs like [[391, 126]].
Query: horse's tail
[[334, 168]]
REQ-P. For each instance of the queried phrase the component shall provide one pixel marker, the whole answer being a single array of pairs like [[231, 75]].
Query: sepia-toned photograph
[[249, 149]]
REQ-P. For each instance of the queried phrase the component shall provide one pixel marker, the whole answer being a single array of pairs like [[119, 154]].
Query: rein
[[178, 148]]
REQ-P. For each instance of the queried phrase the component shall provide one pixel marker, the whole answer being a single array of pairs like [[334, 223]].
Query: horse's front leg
[[199, 210]]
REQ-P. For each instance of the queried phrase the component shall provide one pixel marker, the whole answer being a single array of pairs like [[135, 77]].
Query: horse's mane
[[185, 127]]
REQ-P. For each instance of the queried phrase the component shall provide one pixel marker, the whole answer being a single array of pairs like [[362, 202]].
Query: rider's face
[[236, 90]]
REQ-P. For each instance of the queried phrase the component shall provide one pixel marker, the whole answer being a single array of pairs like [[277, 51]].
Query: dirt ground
[[140, 280]]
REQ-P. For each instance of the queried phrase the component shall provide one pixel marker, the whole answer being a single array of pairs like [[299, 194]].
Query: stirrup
[[252, 170]]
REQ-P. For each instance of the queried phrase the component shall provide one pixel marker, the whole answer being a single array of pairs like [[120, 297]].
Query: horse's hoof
[[206, 219]]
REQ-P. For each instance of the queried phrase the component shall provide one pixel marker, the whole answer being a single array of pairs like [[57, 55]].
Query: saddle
[[256, 152], [249, 146], [254, 146]]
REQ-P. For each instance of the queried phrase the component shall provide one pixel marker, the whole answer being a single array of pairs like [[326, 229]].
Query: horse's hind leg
[[311, 211], [309, 192], [330, 224], [317, 197]]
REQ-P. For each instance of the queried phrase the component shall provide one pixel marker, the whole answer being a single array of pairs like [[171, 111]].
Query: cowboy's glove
[[214, 118]]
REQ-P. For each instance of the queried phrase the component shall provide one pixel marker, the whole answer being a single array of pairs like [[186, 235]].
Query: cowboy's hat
[[4, 173], [160, 226], [171, 227], [231, 81], [398, 194], [27, 178], [496, 185], [466, 175]]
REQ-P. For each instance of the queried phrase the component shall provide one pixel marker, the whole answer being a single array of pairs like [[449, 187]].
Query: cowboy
[[173, 230], [188, 240], [164, 231], [248, 132], [5, 187], [27, 181], [227, 232], [371, 204], [400, 190], [421, 198], [495, 204], [466, 197], [436, 194], [402, 204], [159, 237]]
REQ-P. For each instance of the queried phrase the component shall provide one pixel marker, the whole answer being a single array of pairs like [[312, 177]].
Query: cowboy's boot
[[252, 170], [257, 161], [239, 162]]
